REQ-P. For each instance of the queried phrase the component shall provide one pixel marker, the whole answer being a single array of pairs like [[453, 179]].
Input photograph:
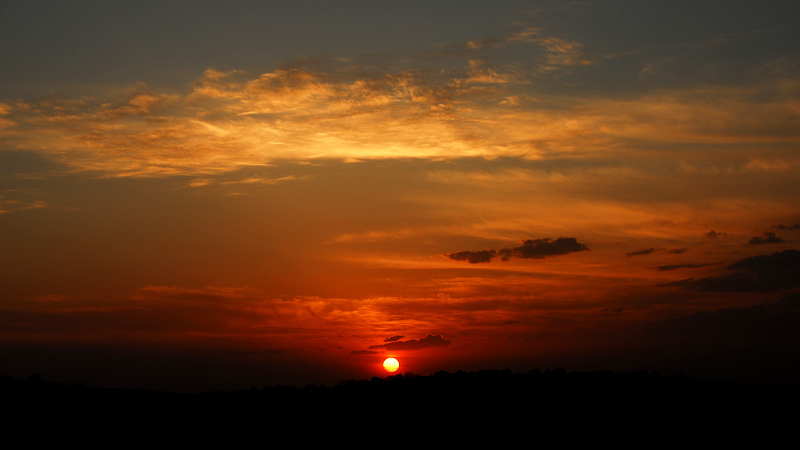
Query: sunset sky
[[203, 195]]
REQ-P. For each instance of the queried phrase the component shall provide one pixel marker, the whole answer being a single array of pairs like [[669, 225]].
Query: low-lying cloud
[[646, 251], [650, 251], [429, 341], [763, 273], [683, 266], [768, 237], [530, 249]]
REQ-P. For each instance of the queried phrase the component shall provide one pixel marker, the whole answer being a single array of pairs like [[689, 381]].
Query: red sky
[[558, 185]]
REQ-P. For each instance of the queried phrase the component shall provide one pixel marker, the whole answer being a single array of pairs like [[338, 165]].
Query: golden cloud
[[356, 110]]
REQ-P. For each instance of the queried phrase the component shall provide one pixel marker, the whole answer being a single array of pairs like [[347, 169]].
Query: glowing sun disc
[[391, 365]]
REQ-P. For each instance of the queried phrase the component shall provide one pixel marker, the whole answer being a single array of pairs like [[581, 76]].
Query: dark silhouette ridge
[[552, 401]]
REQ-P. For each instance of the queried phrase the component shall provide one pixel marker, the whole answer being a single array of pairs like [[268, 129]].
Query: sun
[[391, 365]]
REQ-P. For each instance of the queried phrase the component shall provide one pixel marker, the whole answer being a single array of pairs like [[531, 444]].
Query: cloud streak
[[683, 266], [650, 251]]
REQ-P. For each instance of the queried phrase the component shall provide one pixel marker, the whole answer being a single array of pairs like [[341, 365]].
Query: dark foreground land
[[554, 403]]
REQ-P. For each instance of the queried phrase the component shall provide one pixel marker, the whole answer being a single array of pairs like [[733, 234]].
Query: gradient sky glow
[[196, 195]]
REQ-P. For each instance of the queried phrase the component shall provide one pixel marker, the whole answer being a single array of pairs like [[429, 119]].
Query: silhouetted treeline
[[549, 401]]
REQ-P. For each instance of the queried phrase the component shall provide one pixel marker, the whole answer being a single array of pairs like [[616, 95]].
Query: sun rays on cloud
[[452, 102]]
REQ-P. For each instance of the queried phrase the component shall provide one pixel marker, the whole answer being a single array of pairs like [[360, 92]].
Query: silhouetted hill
[[552, 401]]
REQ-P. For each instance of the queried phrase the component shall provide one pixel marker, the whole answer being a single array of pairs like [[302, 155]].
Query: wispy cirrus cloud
[[553, 52], [13, 200], [5, 110]]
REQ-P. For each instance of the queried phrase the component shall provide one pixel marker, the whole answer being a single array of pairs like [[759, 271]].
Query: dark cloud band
[[763, 273]]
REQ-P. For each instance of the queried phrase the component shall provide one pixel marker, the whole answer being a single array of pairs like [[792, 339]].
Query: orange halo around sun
[[391, 365]]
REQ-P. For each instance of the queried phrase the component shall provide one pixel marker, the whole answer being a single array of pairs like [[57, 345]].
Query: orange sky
[[536, 194]]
